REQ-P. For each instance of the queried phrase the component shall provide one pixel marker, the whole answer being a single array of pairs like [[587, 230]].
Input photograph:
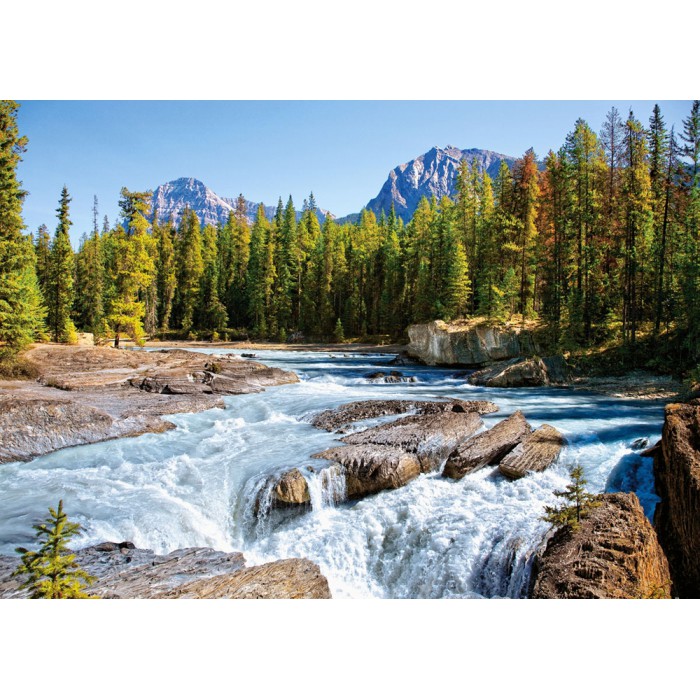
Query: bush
[[581, 502], [16, 367]]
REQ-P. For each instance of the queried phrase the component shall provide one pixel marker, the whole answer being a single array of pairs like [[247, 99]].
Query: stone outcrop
[[677, 480], [123, 571], [520, 372], [535, 453], [342, 417], [613, 554], [487, 447], [431, 437], [90, 394], [437, 343]]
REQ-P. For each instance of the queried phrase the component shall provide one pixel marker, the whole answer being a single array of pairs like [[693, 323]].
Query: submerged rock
[[342, 417], [487, 447], [677, 480], [535, 453], [124, 571], [613, 554]]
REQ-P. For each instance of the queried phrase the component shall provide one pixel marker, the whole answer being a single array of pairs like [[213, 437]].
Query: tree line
[[599, 241]]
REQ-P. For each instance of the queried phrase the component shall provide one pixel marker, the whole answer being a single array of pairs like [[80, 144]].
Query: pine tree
[[21, 313], [52, 571], [581, 502], [166, 268], [60, 293], [211, 311], [190, 267]]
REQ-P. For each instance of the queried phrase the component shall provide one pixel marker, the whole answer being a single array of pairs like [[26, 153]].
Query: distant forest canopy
[[601, 245]]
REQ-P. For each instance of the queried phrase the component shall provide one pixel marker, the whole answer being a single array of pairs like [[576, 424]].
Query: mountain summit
[[171, 199], [433, 173]]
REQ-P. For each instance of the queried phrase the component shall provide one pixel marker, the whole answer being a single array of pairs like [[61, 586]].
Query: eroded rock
[[124, 571], [677, 480], [613, 554], [487, 447], [535, 453], [342, 417]]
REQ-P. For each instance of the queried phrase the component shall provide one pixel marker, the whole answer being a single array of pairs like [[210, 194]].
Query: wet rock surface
[[614, 554], [431, 437], [539, 450], [124, 571], [341, 418], [522, 373], [677, 480], [488, 447], [90, 394]]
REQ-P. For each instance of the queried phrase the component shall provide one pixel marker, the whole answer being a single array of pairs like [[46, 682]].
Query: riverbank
[[85, 395]]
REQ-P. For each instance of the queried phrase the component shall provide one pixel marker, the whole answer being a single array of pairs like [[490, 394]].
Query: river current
[[196, 486]]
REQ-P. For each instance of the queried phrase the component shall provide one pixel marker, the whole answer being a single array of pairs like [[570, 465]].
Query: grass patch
[[17, 367]]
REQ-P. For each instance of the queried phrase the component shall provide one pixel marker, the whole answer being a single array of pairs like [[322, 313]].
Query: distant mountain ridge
[[171, 198], [433, 173]]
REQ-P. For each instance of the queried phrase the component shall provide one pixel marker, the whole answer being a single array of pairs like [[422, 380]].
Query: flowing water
[[206, 483]]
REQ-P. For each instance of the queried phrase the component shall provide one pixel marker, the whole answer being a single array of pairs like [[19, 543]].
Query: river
[[434, 538]]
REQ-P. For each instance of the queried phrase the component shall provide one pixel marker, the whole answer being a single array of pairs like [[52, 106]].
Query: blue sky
[[342, 151]]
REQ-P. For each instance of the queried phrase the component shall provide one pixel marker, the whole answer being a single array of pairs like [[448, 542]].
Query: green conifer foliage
[[51, 571], [580, 503], [21, 314]]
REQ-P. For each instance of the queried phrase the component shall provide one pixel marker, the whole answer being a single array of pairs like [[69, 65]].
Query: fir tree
[[52, 571], [60, 292], [581, 503], [21, 313]]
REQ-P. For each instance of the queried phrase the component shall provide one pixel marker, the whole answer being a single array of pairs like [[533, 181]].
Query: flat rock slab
[[535, 453], [342, 417], [431, 437], [371, 468], [124, 571], [487, 447], [613, 554]]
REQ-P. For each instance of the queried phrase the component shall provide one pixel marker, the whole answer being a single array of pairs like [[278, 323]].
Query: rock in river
[[535, 453]]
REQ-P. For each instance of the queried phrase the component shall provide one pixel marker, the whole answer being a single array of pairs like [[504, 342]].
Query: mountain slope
[[433, 173], [172, 197]]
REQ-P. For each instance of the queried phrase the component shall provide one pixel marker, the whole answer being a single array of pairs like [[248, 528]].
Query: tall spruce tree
[[60, 291], [21, 311]]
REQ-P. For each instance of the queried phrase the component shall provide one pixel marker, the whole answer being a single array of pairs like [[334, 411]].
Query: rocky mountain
[[172, 198], [433, 173]]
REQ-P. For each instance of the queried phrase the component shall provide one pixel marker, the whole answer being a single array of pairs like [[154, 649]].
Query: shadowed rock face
[[90, 394], [677, 480], [124, 571], [535, 453], [487, 447], [342, 417], [613, 554], [513, 373]]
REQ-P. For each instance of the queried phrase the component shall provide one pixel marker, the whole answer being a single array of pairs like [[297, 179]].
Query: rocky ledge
[[90, 394], [613, 554], [677, 480], [123, 571], [519, 372]]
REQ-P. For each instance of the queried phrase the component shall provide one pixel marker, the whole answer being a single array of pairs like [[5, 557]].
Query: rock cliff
[[613, 554], [437, 343], [677, 479]]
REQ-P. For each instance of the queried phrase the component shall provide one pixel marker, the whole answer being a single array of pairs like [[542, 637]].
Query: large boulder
[[372, 468], [342, 417], [439, 343], [520, 372], [487, 447], [613, 554], [677, 480], [535, 453]]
